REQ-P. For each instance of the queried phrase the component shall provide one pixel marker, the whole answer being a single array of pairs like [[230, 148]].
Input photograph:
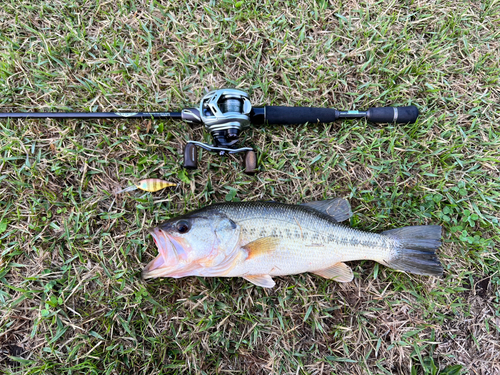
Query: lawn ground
[[71, 251]]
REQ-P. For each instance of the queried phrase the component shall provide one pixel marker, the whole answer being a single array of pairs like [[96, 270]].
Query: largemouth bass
[[258, 240]]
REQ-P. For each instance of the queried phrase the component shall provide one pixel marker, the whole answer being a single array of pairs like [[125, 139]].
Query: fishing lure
[[149, 184]]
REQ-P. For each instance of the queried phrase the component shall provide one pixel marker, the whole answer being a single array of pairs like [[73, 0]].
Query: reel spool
[[224, 113]]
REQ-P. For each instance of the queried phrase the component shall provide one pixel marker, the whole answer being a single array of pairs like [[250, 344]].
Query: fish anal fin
[[339, 272], [337, 208], [264, 281], [261, 246]]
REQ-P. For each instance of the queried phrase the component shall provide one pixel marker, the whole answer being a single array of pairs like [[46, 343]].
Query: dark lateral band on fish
[[258, 240]]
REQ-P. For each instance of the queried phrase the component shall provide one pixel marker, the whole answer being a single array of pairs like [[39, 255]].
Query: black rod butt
[[399, 115]]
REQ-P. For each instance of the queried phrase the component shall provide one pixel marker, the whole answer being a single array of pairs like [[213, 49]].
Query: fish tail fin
[[416, 249]]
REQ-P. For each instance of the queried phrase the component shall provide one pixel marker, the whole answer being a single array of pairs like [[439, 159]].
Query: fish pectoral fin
[[261, 246], [338, 208], [339, 272], [264, 281]]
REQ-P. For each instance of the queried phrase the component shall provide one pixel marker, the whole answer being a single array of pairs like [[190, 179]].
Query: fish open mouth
[[158, 265], [170, 252]]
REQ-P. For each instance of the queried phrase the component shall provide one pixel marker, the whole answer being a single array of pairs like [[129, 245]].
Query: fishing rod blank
[[92, 115]]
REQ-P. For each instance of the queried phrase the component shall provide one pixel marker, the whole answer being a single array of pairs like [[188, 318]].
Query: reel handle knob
[[250, 162], [190, 156]]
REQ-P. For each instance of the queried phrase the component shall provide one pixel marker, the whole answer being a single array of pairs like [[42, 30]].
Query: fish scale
[[257, 240], [300, 252]]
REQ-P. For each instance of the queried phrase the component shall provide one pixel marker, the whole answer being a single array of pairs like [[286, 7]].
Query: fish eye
[[183, 226]]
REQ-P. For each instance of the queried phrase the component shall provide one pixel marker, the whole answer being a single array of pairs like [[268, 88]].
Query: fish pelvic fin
[[339, 272], [416, 249], [264, 281], [337, 208], [261, 246]]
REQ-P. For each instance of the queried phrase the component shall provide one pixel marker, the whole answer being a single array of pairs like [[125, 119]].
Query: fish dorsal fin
[[264, 281], [339, 272], [261, 246], [338, 208]]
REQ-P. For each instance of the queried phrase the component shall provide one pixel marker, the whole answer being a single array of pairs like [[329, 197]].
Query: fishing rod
[[226, 112]]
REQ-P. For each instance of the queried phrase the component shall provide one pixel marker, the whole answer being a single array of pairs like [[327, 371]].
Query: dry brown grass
[[71, 251]]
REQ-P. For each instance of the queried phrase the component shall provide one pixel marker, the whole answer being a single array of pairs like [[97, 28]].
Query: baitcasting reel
[[224, 113], [228, 111]]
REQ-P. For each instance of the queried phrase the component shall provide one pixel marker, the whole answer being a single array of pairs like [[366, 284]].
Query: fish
[[260, 240]]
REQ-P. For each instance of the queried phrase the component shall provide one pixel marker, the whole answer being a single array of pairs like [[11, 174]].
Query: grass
[[71, 251]]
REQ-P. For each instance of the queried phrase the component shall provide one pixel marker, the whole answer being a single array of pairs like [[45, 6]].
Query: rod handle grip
[[299, 115], [399, 115]]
